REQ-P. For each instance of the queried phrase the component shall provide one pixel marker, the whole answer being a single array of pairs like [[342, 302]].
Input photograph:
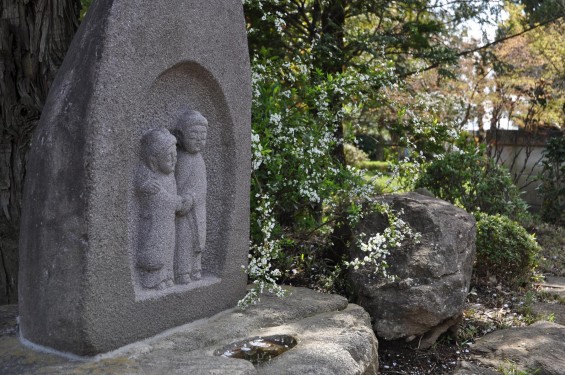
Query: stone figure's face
[[167, 160], [194, 139]]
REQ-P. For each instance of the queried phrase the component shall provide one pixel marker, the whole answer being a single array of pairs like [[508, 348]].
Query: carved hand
[[180, 204], [151, 187], [187, 203]]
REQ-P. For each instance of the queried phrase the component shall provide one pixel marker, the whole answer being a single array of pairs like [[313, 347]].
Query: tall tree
[[34, 37]]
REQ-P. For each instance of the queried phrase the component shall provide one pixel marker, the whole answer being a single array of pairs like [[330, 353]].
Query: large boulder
[[432, 277]]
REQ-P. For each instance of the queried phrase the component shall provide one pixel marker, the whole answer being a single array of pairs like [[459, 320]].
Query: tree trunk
[[333, 31], [332, 61], [34, 37]]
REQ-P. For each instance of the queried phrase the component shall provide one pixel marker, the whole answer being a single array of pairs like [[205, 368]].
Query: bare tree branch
[[437, 64]]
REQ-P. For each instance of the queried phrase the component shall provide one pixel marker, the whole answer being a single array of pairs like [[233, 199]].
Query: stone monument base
[[333, 337]]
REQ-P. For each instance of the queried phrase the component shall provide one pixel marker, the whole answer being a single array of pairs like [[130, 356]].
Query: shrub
[[552, 179], [303, 198], [504, 249], [475, 182], [354, 155]]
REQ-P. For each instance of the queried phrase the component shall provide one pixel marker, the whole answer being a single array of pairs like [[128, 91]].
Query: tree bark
[[333, 61], [34, 37]]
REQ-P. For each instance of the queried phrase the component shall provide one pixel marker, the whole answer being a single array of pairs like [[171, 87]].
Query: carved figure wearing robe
[[156, 191], [191, 131]]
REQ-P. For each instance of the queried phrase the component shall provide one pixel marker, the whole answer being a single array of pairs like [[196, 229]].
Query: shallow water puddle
[[258, 349]]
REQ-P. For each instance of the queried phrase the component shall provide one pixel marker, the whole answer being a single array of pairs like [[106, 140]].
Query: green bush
[[504, 250], [475, 182], [354, 155], [552, 180]]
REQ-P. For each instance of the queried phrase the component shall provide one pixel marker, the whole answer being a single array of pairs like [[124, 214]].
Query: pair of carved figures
[[170, 186]]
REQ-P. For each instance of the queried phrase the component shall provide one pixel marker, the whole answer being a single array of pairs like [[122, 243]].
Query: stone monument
[[136, 204]]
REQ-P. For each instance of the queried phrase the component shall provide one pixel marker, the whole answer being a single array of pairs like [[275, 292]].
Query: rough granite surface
[[130, 67], [432, 277], [334, 337], [468, 368], [538, 348]]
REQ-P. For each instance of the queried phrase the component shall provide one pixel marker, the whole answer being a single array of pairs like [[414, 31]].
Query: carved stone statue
[[156, 191], [191, 130], [98, 212]]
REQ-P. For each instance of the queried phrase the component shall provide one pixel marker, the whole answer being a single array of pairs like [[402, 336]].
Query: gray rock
[[334, 337], [8, 315], [337, 343], [433, 276], [468, 368], [539, 347], [425, 192], [545, 311], [99, 261]]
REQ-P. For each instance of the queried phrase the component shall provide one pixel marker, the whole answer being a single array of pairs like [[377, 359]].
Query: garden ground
[[490, 307]]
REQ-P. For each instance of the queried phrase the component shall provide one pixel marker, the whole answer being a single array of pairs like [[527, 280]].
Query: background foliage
[[473, 181], [400, 76]]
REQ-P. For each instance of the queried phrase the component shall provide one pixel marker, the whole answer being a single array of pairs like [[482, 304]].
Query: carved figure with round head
[[159, 151], [156, 191], [191, 130]]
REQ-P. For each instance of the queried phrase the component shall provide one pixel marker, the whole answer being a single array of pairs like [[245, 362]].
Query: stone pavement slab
[[539, 347], [553, 311], [469, 368]]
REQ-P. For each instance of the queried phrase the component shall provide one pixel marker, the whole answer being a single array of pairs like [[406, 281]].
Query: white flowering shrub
[[260, 268], [299, 189], [376, 248], [303, 195]]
